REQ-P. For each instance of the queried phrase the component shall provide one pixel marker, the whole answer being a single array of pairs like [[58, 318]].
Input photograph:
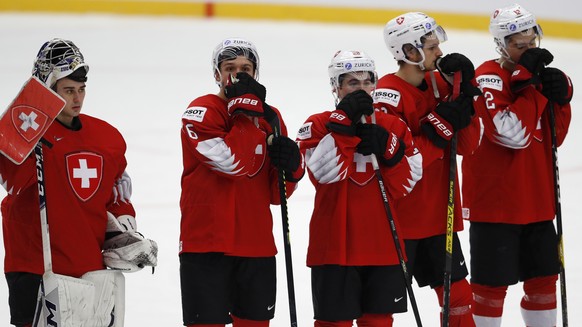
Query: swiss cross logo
[[85, 171], [28, 121], [364, 170], [400, 20]]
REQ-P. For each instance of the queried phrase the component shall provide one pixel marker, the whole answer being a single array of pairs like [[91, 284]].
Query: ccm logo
[[438, 124], [248, 101]]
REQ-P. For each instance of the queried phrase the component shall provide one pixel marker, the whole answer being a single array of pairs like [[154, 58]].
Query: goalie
[[87, 192]]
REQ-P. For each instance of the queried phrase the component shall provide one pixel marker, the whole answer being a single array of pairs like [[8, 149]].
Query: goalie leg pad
[[97, 299], [109, 300], [76, 300]]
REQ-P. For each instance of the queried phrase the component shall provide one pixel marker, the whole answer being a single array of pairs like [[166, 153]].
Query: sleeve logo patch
[[490, 82], [195, 113], [388, 96], [305, 131]]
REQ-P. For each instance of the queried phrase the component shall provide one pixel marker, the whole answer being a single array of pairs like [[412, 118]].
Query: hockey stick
[[394, 232], [450, 214], [276, 126], [47, 309], [558, 204]]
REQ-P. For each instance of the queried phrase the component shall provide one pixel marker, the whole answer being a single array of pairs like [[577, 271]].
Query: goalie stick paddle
[[27, 118], [450, 214], [558, 204], [394, 232], [276, 126]]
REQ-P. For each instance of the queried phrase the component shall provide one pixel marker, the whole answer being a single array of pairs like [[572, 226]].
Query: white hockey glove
[[122, 188], [123, 223], [128, 251]]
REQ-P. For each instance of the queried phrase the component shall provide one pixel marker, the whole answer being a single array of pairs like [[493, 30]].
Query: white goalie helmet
[[58, 59], [510, 20], [231, 48], [351, 62], [411, 28]]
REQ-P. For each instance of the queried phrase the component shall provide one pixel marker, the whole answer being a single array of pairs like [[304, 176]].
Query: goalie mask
[[355, 63], [411, 28], [231, 48], [511, 20], [58, 59]]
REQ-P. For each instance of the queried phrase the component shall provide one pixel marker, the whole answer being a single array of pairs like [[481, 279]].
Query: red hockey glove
[[448, 118], [246, 95]]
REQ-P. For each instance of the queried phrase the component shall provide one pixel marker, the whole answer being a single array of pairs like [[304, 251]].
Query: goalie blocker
[[27, 118]]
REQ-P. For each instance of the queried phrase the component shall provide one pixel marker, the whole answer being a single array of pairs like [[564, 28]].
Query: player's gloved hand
[[348, 112], [247, 96], [448, 118], [284, 153], [122, 189], [130, 252], [456, 62], [535, 59], [242, 84], [124, 248], [556, 86], [530, 64], [387, 147]]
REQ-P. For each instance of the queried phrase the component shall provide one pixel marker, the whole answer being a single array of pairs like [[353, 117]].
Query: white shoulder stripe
[[324, 162], [510, 130], [415, 163], [220, 155], [5, 185]]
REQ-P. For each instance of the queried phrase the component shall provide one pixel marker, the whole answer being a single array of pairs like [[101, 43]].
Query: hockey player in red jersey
[[87, 196], [227, 249], [422, 98], [355, 271], [508, 186]]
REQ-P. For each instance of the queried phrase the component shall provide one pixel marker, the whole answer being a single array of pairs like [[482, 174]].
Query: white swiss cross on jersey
[[85, 171], [364, 170]]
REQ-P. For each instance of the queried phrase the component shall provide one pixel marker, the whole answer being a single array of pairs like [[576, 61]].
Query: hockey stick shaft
[[394, 232], [46, 249], [450, 214], [48, 301], [276, 125], [558, 204]]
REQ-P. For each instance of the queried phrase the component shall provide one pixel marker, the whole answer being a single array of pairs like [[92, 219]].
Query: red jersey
[[349, 225], [80, 170], [424, 212], [509, 179], [228, 182]]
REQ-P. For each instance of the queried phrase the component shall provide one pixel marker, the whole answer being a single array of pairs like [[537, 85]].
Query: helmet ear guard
[[57, 59]]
